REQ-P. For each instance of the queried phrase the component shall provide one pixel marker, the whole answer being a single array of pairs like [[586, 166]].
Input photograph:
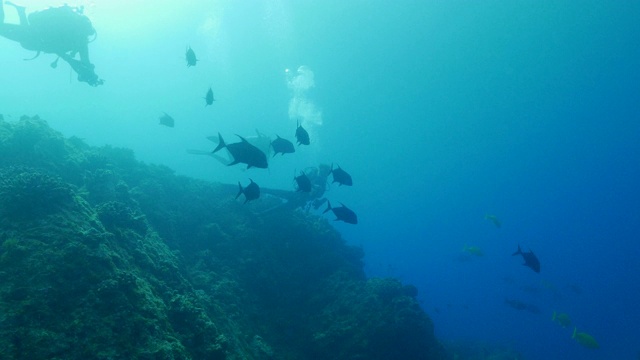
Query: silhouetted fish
[[340, 176], [166, 120], [519, 305], [494, 219], [530, 259], [209, 97], [282, 146], [584, 339], [243, 152], [302, 135], [343, 213], [251, 191], [303, 181], [191, 57]]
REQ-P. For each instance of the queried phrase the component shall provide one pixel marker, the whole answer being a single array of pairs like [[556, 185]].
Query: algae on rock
[[122, 260]]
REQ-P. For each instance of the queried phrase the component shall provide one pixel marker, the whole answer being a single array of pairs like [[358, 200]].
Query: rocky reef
[[105, 257]]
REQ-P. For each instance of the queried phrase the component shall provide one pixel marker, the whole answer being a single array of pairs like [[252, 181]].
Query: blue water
[[441, 111]]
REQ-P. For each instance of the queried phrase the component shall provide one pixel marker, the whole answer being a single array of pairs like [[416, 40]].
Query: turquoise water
[[442, 112]]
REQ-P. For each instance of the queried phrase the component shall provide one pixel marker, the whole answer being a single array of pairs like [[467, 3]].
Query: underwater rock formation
[[103, 257]]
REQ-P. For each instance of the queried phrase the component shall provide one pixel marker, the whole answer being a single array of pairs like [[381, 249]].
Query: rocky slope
[[104, 257]]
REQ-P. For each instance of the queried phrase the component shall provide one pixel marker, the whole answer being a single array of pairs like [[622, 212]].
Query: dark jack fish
[[166, 120], [243, 152], [342, 213], [303, 181], [530, 259], [282, 146], [340, 176], [251, 191], [191, 57], [209, 97], [302, 135]]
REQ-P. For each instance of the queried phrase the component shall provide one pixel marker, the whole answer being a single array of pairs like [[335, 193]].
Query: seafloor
[[105, 257]]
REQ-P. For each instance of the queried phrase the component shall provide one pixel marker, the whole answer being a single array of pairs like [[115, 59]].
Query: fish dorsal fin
[[241, 138]]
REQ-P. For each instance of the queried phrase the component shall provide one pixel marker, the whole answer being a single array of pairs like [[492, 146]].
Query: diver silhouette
[[64, 31]]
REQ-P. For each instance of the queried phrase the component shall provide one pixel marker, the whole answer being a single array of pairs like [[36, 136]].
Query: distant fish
[[209, 97], [243, 152], [340, 176], [584, 339], [166, 120], [574, 288], [282, 146], [191, 57], [530, 259], [473, 250], [251, 191], [562, 319], [302, 135], [303, 182], [519, 305], [343, 213], [494, 220]]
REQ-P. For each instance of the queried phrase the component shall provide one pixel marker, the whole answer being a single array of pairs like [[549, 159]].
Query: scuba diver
[[63, 31]]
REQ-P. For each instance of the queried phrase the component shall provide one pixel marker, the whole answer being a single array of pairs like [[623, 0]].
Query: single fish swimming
[[494, 220], [191, 57], [208, 98], [342, 213], [530, 259], [166, 120], [302, 135], [303, 182], [340, 176], [243, 152], [251, 191], [473, 250], [282, 146], [584, 339], [519, 305], [562, 319]]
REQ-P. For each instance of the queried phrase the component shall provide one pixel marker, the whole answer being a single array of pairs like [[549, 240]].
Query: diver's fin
[[198, 152]]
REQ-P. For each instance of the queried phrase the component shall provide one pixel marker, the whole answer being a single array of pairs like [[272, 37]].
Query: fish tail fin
[[221, 143], [553, 318], [36, 55], [575, 330], [240, 190], [328, 207], [517, 252]]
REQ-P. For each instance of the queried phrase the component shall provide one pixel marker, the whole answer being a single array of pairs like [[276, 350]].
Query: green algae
[[104, 257]]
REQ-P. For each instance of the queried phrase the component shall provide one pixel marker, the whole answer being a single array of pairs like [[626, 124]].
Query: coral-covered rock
[[102, 257], [28, 193]]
